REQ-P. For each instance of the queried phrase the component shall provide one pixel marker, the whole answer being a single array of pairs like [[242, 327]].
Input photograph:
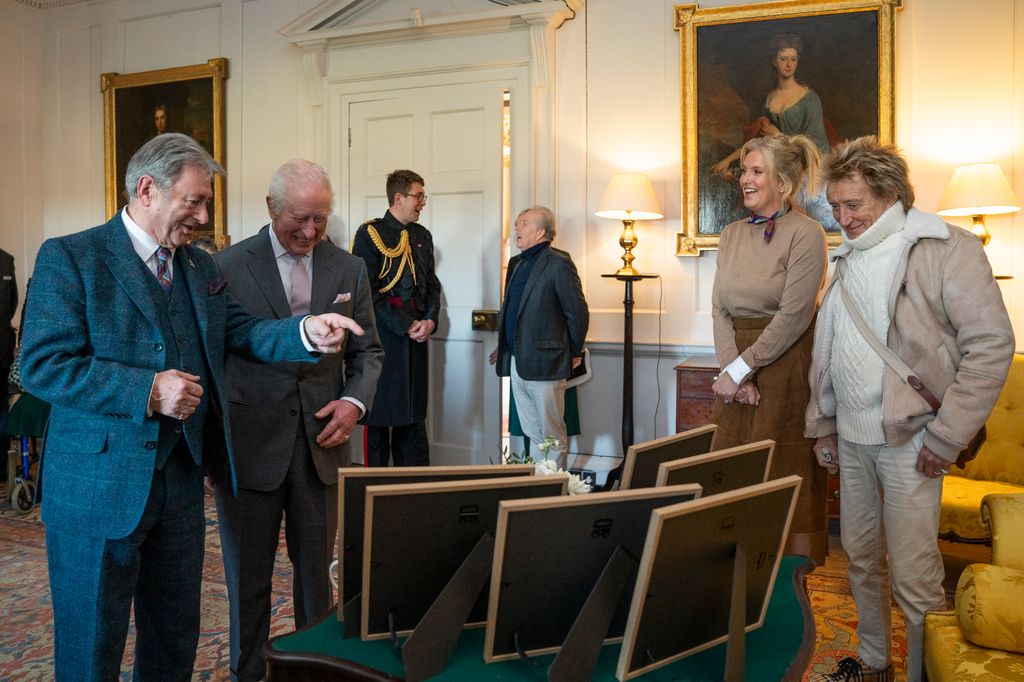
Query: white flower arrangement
[[576, 484], [547, 466]]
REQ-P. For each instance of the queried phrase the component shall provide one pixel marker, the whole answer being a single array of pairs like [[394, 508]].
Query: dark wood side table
[[694, 398]]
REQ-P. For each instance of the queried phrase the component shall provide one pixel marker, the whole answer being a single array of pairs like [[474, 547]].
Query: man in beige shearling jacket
[[932, 346], [926, 290]]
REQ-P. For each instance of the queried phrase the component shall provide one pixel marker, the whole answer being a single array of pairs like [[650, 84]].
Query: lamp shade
[[978, 189], [629, 196]]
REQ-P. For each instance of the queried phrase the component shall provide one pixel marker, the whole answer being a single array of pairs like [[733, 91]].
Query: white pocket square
[[343, 298]]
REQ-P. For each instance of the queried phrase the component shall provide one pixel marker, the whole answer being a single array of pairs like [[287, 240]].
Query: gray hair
[[292, 174], [205, 243], [545, 217], [881, 167], [164, 158]]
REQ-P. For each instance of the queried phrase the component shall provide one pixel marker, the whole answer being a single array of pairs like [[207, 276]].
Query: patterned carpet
[[26, 619], [835, 624], [26, 651]]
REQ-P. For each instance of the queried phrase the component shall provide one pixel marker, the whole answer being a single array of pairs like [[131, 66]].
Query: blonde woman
[[771, 270]]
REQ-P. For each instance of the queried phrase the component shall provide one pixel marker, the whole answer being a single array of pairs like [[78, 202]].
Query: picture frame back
[[846, 49], [139, 106]]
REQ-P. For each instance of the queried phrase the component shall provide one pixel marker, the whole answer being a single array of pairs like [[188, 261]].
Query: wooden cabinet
[[694, 398]]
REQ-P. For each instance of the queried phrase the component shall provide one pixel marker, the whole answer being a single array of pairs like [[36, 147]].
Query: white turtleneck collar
[[893, 220]]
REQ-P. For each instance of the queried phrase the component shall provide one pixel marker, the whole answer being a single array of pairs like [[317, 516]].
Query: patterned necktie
[[163, 269], [300, 288]]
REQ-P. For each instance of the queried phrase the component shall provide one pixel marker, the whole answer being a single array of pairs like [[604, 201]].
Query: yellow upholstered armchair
[[984, 637], [998, 468]]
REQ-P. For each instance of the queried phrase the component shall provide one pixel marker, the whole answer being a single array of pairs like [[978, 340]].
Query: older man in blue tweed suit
[[126, 332]]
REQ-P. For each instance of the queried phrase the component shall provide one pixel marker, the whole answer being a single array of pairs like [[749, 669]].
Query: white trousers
[[889, 508], [541, 406]]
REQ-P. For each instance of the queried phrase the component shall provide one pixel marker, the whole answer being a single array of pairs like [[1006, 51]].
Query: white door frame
[[338, 113], [342, 93]]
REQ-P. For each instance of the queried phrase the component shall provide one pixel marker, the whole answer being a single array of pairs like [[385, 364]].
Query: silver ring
[[826, 455], [181, 417], [943, 471]]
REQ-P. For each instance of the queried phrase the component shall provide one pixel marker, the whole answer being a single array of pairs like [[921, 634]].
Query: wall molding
[[50, 4], [649, 350]]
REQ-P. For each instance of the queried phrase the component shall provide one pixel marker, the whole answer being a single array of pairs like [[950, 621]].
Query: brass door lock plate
[[485, 320]]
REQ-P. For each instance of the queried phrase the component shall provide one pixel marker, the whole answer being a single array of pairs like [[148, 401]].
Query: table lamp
[[629, 197], [978, 190]]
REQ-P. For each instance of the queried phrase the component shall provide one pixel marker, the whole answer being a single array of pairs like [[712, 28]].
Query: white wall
[[959, 98], [59, 126], [20, 134]]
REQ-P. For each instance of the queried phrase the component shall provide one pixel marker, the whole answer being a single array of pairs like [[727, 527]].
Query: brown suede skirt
[[780, 417]]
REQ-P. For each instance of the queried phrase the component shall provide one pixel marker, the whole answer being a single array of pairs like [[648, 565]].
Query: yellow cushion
[[1005, 515], [1001, 458], [989, 606], [960, 519], [948, 657]]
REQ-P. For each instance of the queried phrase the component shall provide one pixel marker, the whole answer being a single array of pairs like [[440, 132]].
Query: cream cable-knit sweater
[[856, 368]]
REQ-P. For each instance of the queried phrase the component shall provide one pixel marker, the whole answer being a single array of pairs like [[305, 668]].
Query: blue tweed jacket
[[91, 346]]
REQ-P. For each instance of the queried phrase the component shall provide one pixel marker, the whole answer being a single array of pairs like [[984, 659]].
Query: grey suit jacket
[[266, 401], [552, 322]]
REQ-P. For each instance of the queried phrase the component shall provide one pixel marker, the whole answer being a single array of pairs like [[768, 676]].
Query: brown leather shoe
[[854, 670]]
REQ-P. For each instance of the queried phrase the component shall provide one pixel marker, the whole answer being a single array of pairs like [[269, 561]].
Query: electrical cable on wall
[[657, 364]]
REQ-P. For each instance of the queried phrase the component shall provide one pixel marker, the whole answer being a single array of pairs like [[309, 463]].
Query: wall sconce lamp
[[978, 190], [629, 197]]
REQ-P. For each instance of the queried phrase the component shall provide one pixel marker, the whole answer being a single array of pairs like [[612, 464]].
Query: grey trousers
[[541, 406], [890, 509], [250, 526]]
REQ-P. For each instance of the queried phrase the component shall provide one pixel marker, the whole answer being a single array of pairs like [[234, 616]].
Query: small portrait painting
[[140, 106]]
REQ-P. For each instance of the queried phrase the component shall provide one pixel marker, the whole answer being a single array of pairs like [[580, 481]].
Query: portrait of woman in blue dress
[[814, 74]]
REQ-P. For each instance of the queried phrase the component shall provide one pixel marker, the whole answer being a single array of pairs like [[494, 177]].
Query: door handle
[[485, 320]]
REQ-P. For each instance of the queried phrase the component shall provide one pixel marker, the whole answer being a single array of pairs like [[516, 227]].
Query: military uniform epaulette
[[402, 252], [365, 223]]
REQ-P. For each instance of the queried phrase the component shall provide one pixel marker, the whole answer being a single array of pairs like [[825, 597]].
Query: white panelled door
[[452, 137]]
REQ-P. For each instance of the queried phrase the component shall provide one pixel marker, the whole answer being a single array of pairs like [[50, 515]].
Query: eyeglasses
[[419, 197]]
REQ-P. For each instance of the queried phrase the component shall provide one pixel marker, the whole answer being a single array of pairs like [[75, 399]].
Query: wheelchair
[[26, 426]]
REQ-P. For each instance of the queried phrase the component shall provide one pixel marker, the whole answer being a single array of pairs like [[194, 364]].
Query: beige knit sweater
[[783, 278]]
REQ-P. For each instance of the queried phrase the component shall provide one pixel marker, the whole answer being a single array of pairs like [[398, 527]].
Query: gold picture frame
[[138, 106], [726, 65]]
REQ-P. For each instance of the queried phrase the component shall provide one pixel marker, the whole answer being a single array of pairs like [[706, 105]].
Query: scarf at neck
[[768, 222]]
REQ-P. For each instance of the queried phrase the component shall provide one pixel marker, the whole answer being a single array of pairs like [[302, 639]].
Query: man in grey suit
[[292, 422], [128, 331], [542, 327]]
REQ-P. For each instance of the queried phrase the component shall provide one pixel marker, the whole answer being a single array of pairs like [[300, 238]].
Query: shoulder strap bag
[[904, 371]]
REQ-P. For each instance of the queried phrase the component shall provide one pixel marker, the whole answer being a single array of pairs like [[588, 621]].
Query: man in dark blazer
[[542, 327], [291, 421], [128, 329], [399, 255]]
